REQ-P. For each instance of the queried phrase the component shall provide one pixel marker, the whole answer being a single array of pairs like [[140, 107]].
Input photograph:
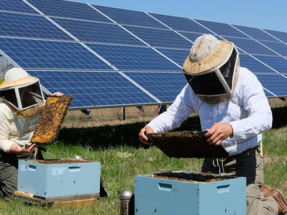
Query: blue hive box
[[163, 196], [58, 179]]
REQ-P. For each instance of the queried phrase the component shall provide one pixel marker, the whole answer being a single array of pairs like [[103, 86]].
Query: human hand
[[218, 132], [29, 148], [143, 135], [57, 94]]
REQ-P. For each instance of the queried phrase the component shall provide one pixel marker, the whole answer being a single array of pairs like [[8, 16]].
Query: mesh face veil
[[24, 96], [217, 82]]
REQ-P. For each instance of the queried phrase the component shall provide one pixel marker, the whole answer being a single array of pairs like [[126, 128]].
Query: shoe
[[265, 190], [278, 196]]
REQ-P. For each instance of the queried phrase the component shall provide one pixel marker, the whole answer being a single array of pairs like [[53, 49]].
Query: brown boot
[[265, 190], [278, 196]]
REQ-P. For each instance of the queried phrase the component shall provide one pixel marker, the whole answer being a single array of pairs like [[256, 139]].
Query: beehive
[[189, 193], [58, 178]]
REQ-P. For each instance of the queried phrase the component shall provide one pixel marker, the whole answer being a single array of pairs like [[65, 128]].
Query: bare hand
[[143, 135], [219, 132], [57, 94], [29, 148]]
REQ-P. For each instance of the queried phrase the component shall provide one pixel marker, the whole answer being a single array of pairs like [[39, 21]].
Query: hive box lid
[[156, 195], [59, 178]]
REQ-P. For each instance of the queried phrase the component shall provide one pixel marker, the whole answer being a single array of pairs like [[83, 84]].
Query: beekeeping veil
[[22, 92], [211, 68]]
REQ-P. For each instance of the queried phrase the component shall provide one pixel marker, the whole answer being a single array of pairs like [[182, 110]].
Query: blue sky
[[266, 14]]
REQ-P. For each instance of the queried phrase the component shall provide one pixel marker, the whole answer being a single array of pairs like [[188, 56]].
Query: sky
[[266, 14]]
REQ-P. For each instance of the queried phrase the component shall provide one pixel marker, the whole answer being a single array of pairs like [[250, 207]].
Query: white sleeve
[[259, 117], [178, 112], [5, 143]]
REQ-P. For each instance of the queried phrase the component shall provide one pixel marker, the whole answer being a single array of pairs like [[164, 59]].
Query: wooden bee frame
[[51, 118], [186, 144]]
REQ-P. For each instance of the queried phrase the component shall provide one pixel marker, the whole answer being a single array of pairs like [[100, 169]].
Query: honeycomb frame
[[186, 144], [50, 119]]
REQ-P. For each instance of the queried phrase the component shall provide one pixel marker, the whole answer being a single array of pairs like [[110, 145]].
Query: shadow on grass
[[109, 136]]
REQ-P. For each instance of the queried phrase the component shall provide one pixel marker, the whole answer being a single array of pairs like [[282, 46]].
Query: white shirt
[[248, 112], [15, 129]]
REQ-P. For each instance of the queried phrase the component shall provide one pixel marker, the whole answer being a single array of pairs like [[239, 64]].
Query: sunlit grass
[[120, 164]]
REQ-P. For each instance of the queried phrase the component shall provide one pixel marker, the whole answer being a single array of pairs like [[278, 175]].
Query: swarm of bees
[[186, 144]]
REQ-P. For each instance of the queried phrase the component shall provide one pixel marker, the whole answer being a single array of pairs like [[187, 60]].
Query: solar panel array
[[108, 57]]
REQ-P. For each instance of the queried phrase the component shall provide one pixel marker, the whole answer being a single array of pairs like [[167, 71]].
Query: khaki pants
[[248, 164]]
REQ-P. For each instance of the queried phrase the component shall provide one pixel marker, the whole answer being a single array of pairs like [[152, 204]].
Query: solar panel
[[255, 33], [90, 54], [134, 58], [160, 38], [129, 17], [278, 34], [276, 62], [39, 54], [177, 55], [16, 6], [280, 48], [275, 83], [98, 32], [254, 65], [191, 36], [164, 86], [68, 9], [250, 46], [21, 25], [180, 23], [222, 29], [93, 89]]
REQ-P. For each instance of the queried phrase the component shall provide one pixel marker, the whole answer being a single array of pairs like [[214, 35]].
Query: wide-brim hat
[[206, 54], [17, 77]]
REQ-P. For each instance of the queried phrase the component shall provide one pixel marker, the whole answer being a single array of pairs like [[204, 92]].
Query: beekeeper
[[233, 108], [21, 100]]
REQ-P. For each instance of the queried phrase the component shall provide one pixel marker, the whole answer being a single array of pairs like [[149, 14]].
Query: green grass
[[119, 165]]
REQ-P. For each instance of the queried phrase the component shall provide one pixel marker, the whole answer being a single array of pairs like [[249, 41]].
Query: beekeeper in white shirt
[[234, 111], [21, 101]]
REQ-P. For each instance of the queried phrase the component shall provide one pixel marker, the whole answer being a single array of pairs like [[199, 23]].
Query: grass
[[120, 164]]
